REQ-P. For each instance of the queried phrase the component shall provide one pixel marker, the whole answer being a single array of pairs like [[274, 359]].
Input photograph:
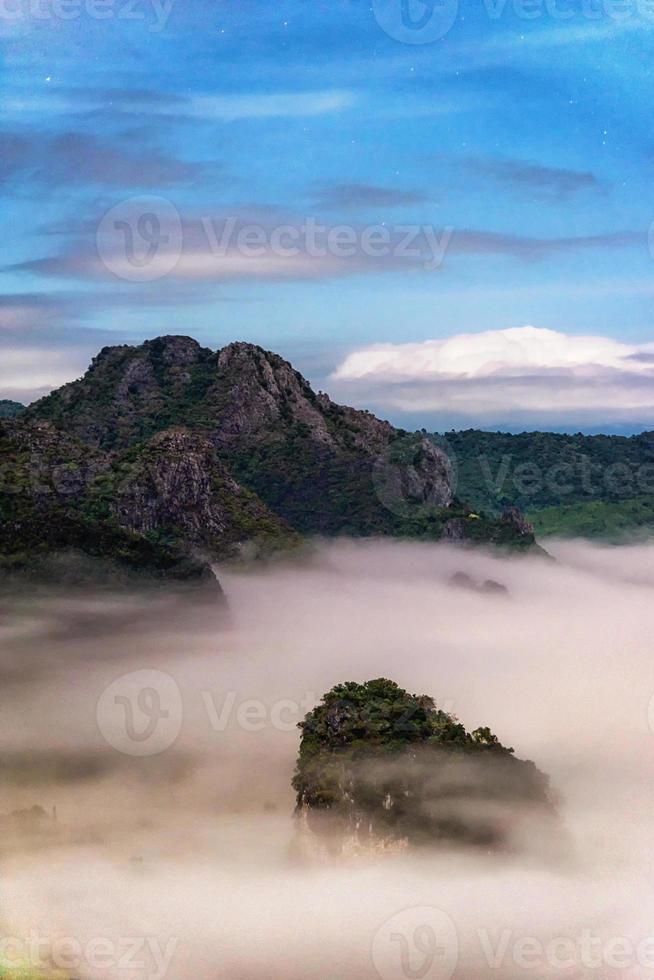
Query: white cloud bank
[[504, 375]]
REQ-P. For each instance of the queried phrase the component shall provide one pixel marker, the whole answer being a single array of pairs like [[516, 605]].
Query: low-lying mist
[[160, 747]]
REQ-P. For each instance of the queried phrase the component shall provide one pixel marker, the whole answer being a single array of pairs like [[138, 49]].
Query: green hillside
[[533, 470]]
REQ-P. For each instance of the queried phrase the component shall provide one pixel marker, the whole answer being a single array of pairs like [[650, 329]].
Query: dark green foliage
[[614, 521], [375, 755], [9, 409], [539, 470], [49, 532], [54, 546]]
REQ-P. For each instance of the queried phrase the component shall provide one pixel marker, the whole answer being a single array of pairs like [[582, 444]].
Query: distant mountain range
[[168, 455], [596, 486]]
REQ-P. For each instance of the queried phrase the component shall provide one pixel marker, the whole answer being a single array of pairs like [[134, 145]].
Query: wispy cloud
[[274, 246], [228, 107], [263, 105], [533, 178], [41, 344], [354, 196], [75, 158]]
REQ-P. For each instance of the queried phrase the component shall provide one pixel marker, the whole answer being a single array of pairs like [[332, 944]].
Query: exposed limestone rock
[[176, 485]]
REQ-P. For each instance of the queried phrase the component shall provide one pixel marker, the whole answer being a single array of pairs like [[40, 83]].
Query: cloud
[[366, 195], [556, 183], [270, 245], [199, 843], [500, 376], [267, 105], [71, 158], [27, 372], [229, 107], [41, 344]]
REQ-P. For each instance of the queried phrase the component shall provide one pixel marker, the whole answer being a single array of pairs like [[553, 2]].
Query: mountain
[[48, 533], [593, 486], [9, 409], [309, 464], [175, 486]]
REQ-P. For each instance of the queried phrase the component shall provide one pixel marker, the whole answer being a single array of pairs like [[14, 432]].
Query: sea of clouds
[[166, 740]]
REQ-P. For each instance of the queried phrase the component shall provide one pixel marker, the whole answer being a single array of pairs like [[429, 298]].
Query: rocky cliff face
[[50, 531], [318, 467], [238, 395], [175, 485]]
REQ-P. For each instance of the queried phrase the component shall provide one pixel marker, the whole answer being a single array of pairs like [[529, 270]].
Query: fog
[[165, 738]]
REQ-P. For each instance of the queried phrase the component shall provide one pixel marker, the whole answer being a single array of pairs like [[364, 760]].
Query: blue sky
[[520, 137]]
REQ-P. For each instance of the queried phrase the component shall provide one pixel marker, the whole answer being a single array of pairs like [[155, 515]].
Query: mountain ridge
[[231, 453]]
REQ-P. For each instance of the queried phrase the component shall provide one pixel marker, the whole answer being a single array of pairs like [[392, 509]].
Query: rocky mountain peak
[[260, 391], [174, 349], [320, 467]]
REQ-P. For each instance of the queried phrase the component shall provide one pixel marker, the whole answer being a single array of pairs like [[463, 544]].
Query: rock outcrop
[[50, 528], [175, 485], [381, 769]]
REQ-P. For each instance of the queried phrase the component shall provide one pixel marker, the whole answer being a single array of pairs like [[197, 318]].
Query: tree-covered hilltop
[[535, 471], [9, 409], [378, 761]]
